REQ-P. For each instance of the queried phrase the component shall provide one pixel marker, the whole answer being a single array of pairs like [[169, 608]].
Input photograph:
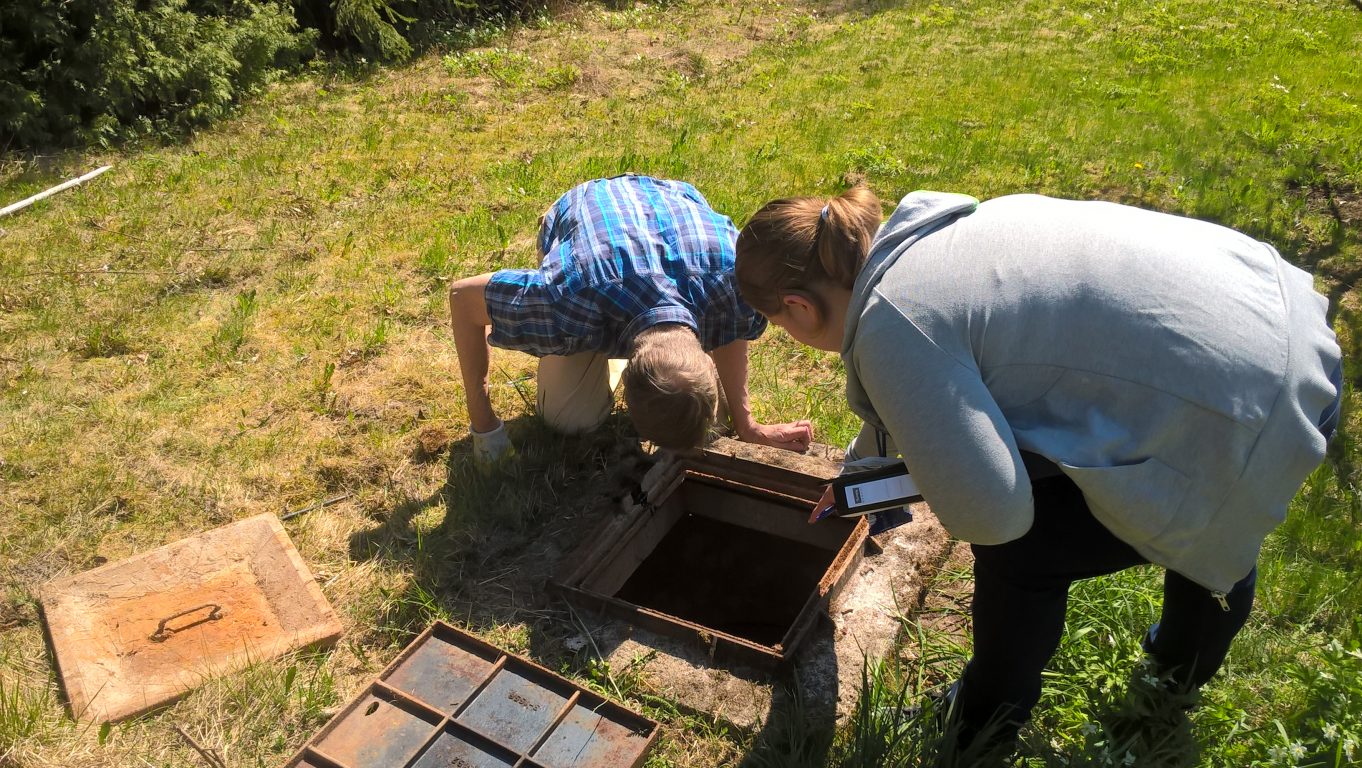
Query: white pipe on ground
[[7, 210]]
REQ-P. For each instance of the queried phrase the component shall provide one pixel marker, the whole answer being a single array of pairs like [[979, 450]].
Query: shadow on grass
[[506, 531], [505, 528], [795, 735]]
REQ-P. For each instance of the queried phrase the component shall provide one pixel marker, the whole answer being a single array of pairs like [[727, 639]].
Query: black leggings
[[1020, 592]]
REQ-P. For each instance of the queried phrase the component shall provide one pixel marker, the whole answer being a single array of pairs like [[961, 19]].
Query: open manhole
[[717, 549]]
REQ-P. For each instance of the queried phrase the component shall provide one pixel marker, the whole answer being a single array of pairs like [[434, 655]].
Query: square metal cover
[[452, 700], [133, 635]]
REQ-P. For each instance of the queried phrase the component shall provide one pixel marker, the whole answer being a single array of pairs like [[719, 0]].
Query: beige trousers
[[577, 392]]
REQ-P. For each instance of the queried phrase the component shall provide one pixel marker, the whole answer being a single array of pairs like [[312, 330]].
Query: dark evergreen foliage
[[98, 71]]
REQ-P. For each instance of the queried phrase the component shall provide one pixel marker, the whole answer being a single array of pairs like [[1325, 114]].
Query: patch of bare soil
[[1343, 201], [15, 613]]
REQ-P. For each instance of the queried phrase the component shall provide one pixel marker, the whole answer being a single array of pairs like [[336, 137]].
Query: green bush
[[87, 71], [388, 30], [98, 71]]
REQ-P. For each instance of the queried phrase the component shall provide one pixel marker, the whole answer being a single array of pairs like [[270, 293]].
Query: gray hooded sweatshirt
[[1175, 370]]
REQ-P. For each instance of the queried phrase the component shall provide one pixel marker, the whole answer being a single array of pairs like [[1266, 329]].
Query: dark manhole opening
[[725, 555], [734, 579]]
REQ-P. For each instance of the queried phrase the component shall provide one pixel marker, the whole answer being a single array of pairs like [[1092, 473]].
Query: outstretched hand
[[795, 436]]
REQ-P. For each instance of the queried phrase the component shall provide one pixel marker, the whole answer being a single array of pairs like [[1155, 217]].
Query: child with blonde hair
[[636, 281]]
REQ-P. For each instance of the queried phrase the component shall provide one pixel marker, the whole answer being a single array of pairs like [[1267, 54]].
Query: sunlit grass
[[254, 320]]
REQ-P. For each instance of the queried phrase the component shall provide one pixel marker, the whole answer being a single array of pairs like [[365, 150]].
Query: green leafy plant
[[232, 333]]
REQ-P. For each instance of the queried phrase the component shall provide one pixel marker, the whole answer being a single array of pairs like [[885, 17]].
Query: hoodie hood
[[919, 214]]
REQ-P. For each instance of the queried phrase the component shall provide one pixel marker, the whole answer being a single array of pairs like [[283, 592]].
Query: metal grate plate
[[453, 701]]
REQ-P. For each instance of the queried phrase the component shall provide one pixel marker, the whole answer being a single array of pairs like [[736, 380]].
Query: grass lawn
[[253, 320]]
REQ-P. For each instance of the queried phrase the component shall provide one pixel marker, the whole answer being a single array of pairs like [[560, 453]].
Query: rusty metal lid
[[133, 635], [452, 700]]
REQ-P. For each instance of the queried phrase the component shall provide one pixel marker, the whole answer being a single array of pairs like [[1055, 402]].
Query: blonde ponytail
[[803, 243]]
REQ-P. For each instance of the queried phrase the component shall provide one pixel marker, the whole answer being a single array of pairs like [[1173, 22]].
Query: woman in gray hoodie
[[1076, 388]]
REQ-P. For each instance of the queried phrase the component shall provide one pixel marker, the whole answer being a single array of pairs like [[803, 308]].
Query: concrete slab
[[862, 623]]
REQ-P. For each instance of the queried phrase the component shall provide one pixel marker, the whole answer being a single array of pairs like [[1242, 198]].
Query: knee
[[1010, 567], [573, 418]]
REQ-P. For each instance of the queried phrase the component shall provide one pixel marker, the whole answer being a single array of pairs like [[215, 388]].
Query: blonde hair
[[803, 244], [671, 387]]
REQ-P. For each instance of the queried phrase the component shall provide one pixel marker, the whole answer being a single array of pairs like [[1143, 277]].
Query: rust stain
[[247, 621]]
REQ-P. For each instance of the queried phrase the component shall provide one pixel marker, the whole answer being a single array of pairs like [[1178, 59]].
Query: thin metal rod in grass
[[605, 667], [209, 756], [515, 383]]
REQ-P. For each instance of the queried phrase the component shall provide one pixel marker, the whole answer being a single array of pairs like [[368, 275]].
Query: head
[[798, 253], [671, 387]]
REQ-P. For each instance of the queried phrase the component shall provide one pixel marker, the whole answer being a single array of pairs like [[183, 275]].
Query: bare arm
[[470, 323], [731, 362]]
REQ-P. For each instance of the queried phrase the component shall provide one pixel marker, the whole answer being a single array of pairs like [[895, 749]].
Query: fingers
[[821, 507], [795, 436]]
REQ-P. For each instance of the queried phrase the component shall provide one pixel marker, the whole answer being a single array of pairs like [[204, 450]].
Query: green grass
[[253, 321]]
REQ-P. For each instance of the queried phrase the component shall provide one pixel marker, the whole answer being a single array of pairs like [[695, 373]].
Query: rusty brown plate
[[139, 633]]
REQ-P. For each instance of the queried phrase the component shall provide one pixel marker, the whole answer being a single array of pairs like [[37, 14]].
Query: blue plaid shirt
[[622, 255]]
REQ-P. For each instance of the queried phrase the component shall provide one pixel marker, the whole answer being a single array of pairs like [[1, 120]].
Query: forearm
[[730, 361], [470, 325], [952, 435]]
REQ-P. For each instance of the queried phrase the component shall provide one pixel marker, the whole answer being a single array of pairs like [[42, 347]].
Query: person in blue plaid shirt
[[636, 283]]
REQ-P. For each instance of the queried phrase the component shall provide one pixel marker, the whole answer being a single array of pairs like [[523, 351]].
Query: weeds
[[323, 395], [23, 714], [231, 335], [105, 340], [375, 338], [511, 68], [406, 612]]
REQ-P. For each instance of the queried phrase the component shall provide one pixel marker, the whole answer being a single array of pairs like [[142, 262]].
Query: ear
[[803, 309]]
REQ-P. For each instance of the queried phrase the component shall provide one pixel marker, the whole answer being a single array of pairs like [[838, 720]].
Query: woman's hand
[[821, 508]]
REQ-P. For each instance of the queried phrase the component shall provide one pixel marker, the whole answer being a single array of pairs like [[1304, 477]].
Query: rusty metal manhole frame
[[737, 475]]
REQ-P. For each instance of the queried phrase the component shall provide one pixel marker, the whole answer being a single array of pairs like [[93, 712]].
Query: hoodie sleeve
[[950, 431]]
